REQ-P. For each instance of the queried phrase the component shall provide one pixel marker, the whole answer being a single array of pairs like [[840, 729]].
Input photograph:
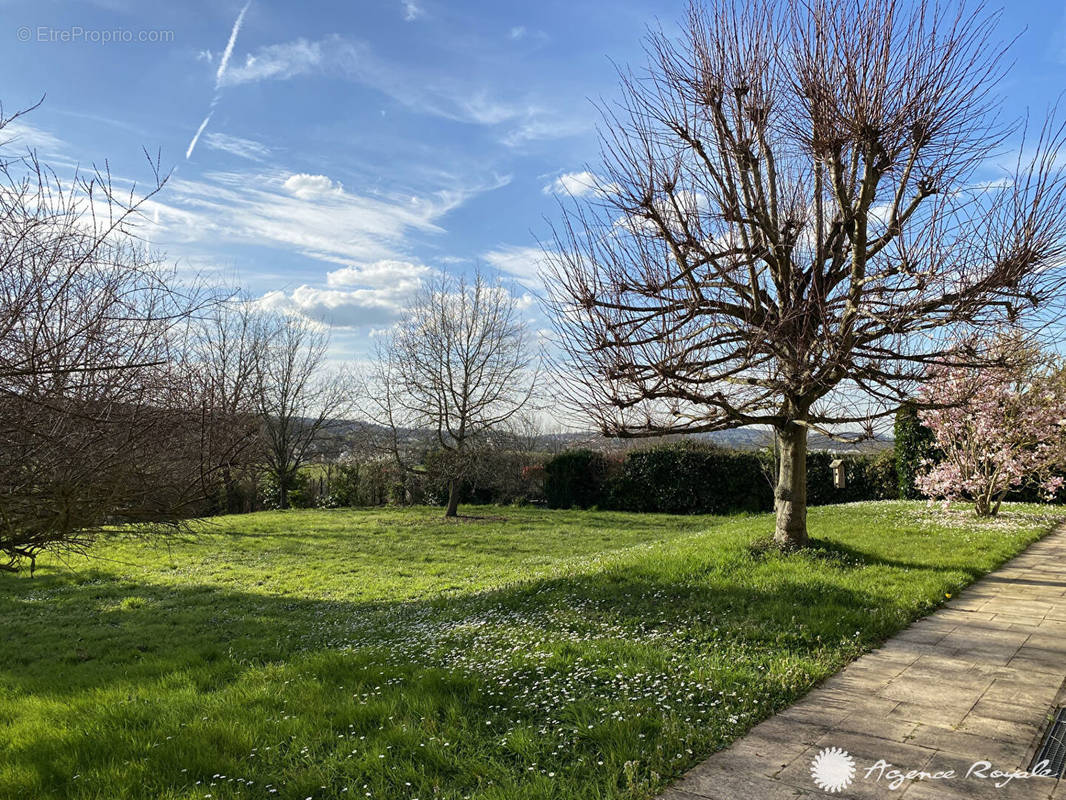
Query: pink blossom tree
[[995, 428]]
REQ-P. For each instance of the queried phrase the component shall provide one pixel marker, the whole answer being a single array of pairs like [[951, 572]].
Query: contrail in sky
[[229, 46], [196, 138], [219, 75]]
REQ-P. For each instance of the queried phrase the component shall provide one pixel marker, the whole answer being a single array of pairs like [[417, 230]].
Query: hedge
[[914, 443], [690, 478], [576, 479], [698, 478]]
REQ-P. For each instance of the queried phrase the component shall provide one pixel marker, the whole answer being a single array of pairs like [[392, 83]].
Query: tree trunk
[[790, 497], [982, 506], [453, 499], [283, 489], [232, 496]]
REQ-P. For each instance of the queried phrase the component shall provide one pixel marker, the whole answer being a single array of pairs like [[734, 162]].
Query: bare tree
[[299, 400], [789, 227], [459, 367], [98, 421], [229, 344]]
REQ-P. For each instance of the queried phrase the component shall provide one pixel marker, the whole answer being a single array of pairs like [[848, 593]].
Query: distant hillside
[[738, 439], [342, 434]]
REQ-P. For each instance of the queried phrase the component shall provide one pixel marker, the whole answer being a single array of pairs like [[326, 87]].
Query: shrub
[[882, 477], [820, 488], [363, 483], [575, 478], [270, 493], [503, 477], [914, 443]]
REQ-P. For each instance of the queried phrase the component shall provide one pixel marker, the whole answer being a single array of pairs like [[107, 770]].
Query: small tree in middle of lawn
[[996, 428], [456, 369]]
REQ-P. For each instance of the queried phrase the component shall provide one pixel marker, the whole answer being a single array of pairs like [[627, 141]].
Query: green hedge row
[[695, 478], [690, 479]]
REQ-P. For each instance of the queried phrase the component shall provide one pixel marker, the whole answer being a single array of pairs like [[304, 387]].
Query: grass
[[392, 654]]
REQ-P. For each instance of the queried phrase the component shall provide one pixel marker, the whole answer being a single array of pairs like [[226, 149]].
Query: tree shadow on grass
[[65, 637], [836, 552]]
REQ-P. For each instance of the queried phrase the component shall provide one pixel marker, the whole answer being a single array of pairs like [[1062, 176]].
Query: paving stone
[[1052, 626], [1047, 641], [997, 647], [994, 716], [932, 713], [862, 682], [962, 790], [926, 635], [887, 726], [1057, 614], [723, 783], [1031, 608], [1039, 660], [922, 691], [1007, 751], [779, 729]]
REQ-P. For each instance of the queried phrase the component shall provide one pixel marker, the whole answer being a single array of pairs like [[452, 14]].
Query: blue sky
[[351, 147]]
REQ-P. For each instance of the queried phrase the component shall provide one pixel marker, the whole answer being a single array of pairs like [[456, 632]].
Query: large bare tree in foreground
[[459, 366], [99, 422], [792, 225]]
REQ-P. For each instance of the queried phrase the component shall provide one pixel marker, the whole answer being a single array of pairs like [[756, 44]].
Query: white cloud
[[372, 294], [380, 274], [577, 184], [312, 215], [342, 308], [539, 125], [524, 263], [518, 32], [277, 62], [309, 187], [237, 146], [423, 93], [22, 134], [412, 11]]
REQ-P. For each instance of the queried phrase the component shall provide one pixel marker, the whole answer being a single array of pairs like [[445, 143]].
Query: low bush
[[677, 478], [576, 479], [363, 483]]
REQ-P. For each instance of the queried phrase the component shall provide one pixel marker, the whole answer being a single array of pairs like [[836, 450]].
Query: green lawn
[[391, 654]]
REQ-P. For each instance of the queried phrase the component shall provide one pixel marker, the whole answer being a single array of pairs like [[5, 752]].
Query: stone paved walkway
[[975, 681]]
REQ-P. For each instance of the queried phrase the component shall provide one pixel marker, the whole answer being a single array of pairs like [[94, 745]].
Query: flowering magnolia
[[994, 428]]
